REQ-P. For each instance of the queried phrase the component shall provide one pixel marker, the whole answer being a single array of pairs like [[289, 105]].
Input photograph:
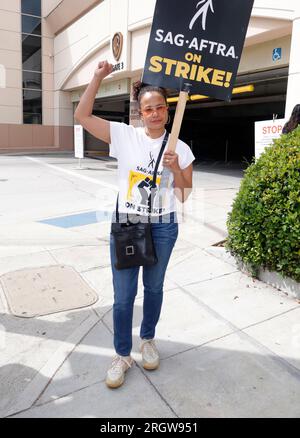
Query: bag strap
[[165, 140], [117, 210]]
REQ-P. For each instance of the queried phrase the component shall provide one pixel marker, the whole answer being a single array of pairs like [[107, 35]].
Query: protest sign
[[197, 43], [195, 46]]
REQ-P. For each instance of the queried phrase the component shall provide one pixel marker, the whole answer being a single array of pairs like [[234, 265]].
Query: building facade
[[49, 50]]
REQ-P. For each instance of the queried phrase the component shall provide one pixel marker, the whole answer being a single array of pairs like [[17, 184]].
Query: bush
[[264, 224]]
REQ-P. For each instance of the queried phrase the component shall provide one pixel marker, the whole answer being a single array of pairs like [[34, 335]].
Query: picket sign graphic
[[202, 11], [198, 43], [195, 46]]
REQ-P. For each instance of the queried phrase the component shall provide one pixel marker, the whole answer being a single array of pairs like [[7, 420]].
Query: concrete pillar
[[63, 121], [293, 91]]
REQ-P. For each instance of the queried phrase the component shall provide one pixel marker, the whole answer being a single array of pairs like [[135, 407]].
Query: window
[[32, 80], [31, 53], [32, 106], [31, 7], [32, 61], [31, 25]]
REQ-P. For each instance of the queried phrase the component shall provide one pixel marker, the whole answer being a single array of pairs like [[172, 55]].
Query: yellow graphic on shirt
[[139, 180]]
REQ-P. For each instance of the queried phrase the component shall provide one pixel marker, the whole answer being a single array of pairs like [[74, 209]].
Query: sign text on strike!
[[186, 70]]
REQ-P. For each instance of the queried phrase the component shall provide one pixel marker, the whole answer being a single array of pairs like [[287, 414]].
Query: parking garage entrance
[[116, 110], [224, 132]]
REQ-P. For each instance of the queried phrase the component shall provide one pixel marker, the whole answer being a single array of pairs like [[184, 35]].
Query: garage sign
[[198, 43], [265, 132]]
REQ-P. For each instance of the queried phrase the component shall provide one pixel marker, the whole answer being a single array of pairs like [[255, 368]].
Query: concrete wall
[[60, 14], [34, 138], [280, 9], [259, 56], [81, 41], [49, 5], [11, 61]]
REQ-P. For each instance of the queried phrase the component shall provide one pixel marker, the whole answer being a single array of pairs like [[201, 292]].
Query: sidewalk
[[229, 345]]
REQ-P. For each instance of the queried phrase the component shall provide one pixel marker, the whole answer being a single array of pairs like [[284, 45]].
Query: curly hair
[[139, 89], [294, 120]]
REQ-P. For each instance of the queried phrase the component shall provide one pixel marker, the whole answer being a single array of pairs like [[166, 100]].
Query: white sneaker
[[149, 354], [116, 373]]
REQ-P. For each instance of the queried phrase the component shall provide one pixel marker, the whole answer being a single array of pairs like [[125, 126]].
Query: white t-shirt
[[137, 154]]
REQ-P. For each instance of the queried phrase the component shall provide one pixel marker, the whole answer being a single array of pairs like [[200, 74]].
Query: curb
[[284, 284]]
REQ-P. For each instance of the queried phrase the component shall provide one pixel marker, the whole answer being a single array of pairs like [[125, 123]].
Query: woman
[[137, 150], [294, 120]]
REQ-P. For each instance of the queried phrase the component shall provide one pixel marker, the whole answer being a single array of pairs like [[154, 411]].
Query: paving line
[[270, 355], [70, 172]]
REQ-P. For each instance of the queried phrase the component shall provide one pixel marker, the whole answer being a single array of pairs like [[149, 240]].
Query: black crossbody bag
[[133, 241]]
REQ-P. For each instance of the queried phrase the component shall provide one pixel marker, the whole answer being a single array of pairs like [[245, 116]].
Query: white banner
[[265, 132]]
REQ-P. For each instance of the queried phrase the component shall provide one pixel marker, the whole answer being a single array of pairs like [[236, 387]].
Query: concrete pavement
[[230, 345]]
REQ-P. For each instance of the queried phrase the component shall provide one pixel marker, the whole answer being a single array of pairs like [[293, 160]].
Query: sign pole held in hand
[[183, 97], [180, 109]]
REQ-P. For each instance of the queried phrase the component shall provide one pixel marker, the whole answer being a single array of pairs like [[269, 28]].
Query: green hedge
[[264, 224]]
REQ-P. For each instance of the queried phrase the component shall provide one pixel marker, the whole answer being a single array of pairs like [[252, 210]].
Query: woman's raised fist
[[104, 69]]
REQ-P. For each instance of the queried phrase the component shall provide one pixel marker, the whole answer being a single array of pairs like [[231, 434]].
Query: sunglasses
[[159, 109]]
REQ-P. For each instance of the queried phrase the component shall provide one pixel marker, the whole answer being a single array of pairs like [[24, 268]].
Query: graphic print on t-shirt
[[139, 188], [152, 161]]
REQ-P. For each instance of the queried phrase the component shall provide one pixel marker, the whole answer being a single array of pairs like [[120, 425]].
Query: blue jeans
[[125, 284]]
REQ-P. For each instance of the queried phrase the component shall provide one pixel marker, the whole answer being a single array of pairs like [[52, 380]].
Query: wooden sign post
[[180, 109]]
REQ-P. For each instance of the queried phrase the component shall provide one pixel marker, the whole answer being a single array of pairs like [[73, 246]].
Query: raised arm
[[96, 126]]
